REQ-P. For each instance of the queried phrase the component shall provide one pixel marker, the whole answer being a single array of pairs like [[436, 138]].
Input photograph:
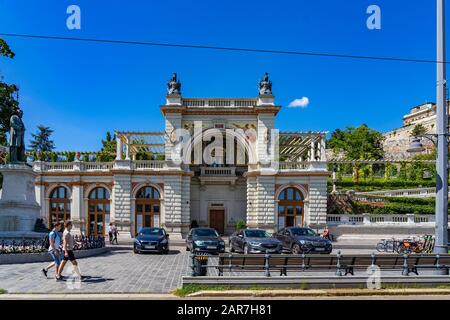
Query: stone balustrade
[[217, 171], [416, 192], [379, 219], [149, 165], [230, 103], [142, 165]]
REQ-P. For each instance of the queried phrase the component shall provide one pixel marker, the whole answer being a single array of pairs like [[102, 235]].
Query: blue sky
[[82, 90]]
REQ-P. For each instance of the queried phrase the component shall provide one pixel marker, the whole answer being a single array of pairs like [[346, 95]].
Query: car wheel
[[296, 249], [135, 250], [231, 248]]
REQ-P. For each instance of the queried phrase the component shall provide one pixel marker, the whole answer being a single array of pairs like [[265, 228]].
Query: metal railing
[[36, 246]]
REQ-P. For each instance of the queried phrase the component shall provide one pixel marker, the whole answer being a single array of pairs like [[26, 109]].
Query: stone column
[[323, 154], [121, 214], [265, 125], [119, 149], [312, 151], [185, 205], [40, 198], [266, 202], [173, 206], [127, 149], [173, 122], [252, 202], [76, 212], [316, 215]]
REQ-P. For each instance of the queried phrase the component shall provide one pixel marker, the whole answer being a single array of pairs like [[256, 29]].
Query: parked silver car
[[254, 241]]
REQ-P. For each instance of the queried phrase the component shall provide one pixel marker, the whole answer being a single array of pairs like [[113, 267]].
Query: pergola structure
[[293, 146], [134, 142], [302, 146]]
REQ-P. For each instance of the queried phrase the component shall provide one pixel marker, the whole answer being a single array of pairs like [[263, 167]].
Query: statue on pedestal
[[174, 86], [265, 86], [16, 139]]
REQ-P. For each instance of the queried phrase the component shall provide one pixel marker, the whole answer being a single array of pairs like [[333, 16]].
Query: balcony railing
[[218, 171], [150, 165], [226, 103], [147, 165]]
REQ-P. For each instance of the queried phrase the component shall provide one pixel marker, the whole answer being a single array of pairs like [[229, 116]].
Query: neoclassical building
[[224, 161]]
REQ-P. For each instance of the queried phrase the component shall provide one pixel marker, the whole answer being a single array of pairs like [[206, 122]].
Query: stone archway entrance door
[[217, 220], [290, 208]]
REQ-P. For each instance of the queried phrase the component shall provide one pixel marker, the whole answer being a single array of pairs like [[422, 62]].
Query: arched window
[[147, 208], [148, 193], [59, 206], [290, 208], [99, 210]]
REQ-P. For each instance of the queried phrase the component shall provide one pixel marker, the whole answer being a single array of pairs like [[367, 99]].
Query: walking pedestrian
[[115, 233], [54, 248], [110, 233], [68, 242]]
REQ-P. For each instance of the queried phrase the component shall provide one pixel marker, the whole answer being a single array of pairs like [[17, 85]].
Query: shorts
[[56, 258], [70, 256]]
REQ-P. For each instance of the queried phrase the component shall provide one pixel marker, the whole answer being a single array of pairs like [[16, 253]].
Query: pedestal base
[[18, 207]]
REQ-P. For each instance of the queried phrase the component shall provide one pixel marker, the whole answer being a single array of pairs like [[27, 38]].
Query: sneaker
[[60, 278], [44, 272]]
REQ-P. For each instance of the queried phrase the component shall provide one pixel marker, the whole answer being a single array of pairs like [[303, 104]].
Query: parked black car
[[204, 240], [254, 241], [303, 240], [151, 240]]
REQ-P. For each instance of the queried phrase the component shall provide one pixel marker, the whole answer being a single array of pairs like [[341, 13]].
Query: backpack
[[46, 243]]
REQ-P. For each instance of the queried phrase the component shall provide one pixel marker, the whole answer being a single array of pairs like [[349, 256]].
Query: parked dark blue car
[[151, 240]]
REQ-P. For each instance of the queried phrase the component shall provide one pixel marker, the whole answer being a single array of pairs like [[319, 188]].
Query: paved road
[[119, 271]]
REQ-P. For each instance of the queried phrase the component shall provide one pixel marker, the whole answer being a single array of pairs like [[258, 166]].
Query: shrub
[[240, 224]]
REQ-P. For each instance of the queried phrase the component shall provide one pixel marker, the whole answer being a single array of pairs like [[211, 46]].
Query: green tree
[[9, 104], [418, 130], [108, 151], [41, 141], [361, 143]]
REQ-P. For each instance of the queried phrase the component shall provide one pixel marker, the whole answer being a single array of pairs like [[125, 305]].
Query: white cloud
[[299, 103]]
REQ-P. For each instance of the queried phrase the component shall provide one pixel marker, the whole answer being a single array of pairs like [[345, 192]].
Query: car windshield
[[151, 232], [303, 232], [205, 233], [256, 234]]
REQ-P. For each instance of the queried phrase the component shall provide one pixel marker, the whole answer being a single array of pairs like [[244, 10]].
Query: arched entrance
[[98, 211], [59, 206], [290, 208], [147, 208]]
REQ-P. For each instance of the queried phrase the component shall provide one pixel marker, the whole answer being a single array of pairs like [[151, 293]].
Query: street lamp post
[[442, 138]]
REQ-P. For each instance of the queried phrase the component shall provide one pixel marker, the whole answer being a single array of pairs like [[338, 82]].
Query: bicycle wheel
[[390, 246], [381, 247]]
